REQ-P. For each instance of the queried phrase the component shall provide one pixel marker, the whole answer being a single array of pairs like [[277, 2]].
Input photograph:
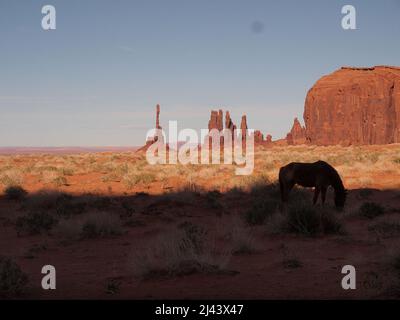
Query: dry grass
[[180, 252], [359, 167]]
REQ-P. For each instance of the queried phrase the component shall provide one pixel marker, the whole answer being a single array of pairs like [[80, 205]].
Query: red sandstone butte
[[354, 106]]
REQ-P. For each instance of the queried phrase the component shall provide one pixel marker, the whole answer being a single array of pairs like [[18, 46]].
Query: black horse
[[319, 174]]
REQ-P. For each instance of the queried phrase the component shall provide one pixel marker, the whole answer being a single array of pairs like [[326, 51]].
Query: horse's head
[[340, 198]]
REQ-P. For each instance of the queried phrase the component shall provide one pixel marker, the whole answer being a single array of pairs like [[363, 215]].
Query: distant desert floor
[[116, 227]]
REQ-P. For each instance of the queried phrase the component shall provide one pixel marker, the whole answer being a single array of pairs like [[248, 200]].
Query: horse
[[319, 175]]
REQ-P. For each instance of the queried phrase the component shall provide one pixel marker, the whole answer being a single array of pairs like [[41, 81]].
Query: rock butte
[[354, 106]]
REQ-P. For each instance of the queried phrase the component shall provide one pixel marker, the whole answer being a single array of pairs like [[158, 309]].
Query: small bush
[[259, 212], [330, 224], [306, 219], [15, 193], [60, 181], [303, 219], [12, 280], [195, 235], [35, 223], [11, 178], [113, 286], [371, 210], [174, 254], [239, 237], [292, 263], [100, 225], [130, 180]]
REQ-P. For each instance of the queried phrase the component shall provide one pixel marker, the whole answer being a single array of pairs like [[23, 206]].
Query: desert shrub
[[239, 237], [35, 222], [66, 171], [66, 205], [330, 223], [113, 286], [195, 234], [11, 178], [259, 211], [292, 263], [303, 218], [173, 254], [100, 225], [60, 181], [306, 219], [12, 280], [371, 210], [111, 177], [132, 179], [95, 225], [44, 200], [15, 193]]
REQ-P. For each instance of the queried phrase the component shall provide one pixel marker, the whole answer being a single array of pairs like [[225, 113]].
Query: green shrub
[[12, 280], [371, 210], [35, 223], [15, 193]]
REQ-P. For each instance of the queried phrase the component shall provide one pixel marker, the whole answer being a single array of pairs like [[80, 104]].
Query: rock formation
[[297, 134], [258, 137], [153, 139], [354, 106], [158, 117], [243, 127], [215, 121]]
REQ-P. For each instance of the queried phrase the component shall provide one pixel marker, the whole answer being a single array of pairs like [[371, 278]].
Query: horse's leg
[[323, 194], [316, 194]]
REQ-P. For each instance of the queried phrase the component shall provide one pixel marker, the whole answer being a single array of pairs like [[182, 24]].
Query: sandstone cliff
[[354, 106]]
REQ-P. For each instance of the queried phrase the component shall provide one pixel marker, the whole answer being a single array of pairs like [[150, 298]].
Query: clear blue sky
[[96, 79]]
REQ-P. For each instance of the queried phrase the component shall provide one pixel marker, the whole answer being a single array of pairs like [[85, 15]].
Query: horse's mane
[[336, 181]]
